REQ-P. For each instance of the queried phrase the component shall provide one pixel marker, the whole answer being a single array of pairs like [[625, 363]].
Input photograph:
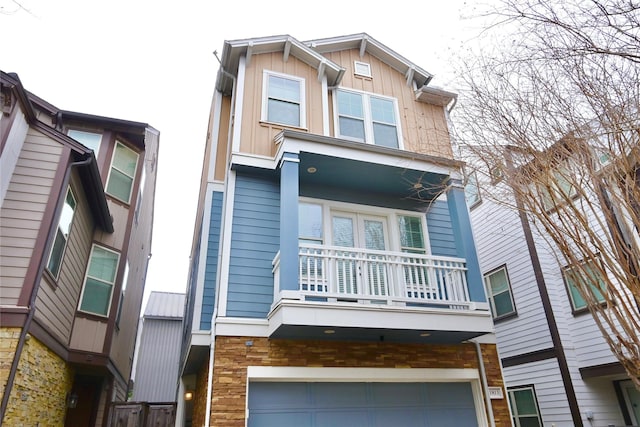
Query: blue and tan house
[[334, 279], [76, 216]]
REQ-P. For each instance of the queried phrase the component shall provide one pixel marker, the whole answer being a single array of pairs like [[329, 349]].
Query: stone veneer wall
[[40, 388], [233, 356], [200, 395]]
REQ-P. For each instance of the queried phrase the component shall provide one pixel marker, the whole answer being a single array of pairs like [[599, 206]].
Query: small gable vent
[[362, 69]]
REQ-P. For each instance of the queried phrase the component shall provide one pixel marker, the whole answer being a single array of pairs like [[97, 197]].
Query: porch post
[[289, 191], [463, 235]]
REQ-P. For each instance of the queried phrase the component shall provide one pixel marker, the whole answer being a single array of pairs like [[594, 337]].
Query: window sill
[[91, 316], [280, 126], [505, 317]]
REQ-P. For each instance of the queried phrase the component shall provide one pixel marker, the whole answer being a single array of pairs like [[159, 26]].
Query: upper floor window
[[499, 293], [472, 189], [284, 99], [310, 223], [524, 407], [585, 278], [88, 139], [411, 235], [559, 188], [367, 118], [62, 234], [99, 280], [122, 173]]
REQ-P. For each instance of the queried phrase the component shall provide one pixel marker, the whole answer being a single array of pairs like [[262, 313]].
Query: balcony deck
[[378, 290]]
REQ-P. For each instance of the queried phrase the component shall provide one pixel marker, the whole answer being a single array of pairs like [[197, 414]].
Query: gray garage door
[[361, 405]]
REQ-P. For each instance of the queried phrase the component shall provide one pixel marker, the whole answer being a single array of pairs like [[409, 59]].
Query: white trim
[[11, 152], [326, 129], [200, 339], [361, 63], [202, 259], [236, 114], [215, 135], [368, 118], [225, 244], [217, 186], [265, 97], [354, 374], [242, 327]]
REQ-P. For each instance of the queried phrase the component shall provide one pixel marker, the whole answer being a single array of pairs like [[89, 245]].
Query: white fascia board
[[242, 327], [200, 339], [352, 374], [304, 313]]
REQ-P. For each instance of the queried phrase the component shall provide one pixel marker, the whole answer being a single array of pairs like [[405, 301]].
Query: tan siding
[[120, 214], [23, 208], [222, 145], [88, 335], [256, 137], [123, 344], [424, 126], [57, 304]]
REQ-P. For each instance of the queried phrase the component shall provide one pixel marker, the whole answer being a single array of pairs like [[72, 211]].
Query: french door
[[360, 268]]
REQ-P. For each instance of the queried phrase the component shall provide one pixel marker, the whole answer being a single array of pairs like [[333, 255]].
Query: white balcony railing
[[342, 274]]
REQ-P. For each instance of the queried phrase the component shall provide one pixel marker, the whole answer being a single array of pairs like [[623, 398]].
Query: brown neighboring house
[[76, 196]]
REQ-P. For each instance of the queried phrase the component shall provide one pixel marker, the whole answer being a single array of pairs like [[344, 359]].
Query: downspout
[[32, 304], [485, 387], [207, 414]]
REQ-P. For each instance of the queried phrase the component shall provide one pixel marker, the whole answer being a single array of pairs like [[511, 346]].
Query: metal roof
[[165, 305]]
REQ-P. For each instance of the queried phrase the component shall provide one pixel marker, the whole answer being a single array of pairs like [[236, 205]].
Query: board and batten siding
[[500, 241], [211, 270], [441, 230], [57, 300], [257, 137], [424, 126], [254, 244], [23, 208]]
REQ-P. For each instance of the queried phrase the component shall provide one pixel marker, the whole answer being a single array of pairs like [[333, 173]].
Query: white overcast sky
[[152, 61]]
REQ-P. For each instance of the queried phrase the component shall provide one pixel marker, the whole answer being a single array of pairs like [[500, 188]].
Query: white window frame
[[264, 114], [568, 284], [368, 119], [86, 275], [66, 240], [490, 296], [329, 207], [111, 168], [472, 182], [362, 69], [514, 409]]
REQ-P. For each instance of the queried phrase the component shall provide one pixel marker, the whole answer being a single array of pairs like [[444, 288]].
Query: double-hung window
[[62, 234], [367, 118], [499, 293], [584, 279], [284, 99], [524, 407], [99, 281], [122, 172]]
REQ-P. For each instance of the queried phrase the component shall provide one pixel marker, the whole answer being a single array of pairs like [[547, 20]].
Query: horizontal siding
[[57, 306], [500, 241], [254, 244], [23, 209], [211, 270], [440, 230]]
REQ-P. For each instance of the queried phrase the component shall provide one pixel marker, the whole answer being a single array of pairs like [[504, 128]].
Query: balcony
[[367, 294]]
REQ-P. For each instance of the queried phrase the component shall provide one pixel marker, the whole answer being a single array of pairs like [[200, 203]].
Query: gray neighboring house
[[158, 353]]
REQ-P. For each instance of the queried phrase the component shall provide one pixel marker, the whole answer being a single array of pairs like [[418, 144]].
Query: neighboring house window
[[62, 234], [88, 139], [367, 118], [284, 100], [472, 190], [524, 407], [499, 292], [362, 69], [122, 173], [559, 189], [99, 280], [586, 277]]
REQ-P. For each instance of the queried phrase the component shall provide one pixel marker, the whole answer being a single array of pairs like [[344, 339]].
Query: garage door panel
[[398, 417], [398, 394], [279, 395], [355, 418], [439, 394], [280, 419], [442, 417], [348, 395]]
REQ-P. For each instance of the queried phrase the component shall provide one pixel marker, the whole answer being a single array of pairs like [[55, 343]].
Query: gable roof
[[366, 43]]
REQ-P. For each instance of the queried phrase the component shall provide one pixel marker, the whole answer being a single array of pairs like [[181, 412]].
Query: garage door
[[361, 405]]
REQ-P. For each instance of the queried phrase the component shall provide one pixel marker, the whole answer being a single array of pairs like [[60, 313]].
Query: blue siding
[[211, 270], [440, 230], [254, 244]]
